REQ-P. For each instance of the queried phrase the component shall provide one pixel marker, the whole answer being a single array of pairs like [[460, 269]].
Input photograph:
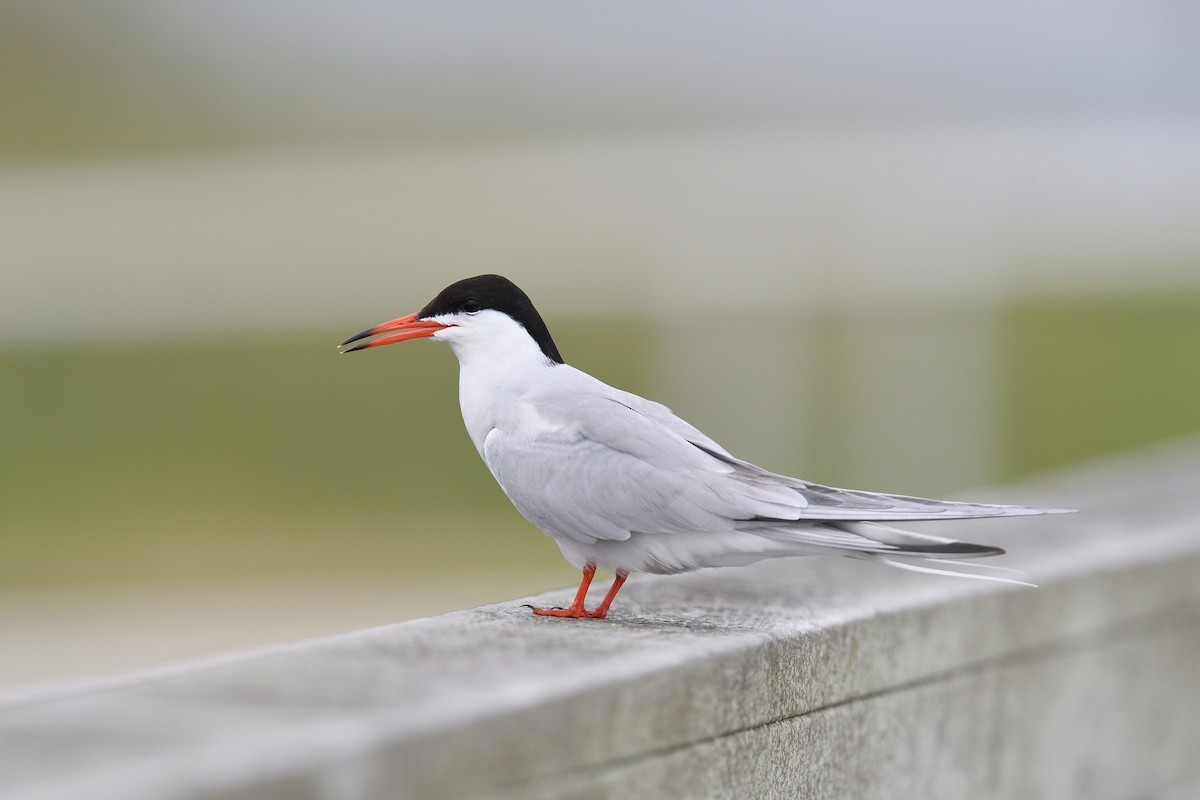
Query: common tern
[[622, 483]]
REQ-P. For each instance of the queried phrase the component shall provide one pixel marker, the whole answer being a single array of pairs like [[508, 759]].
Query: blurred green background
[[873, 249], [218, 458]]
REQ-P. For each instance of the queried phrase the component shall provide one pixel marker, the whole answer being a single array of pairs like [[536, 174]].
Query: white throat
[[498, 362]]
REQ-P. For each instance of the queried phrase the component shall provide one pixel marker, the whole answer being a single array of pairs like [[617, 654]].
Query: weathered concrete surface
[[810, 677]]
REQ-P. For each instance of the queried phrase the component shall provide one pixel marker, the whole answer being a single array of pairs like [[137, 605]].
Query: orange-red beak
[[407, 328]]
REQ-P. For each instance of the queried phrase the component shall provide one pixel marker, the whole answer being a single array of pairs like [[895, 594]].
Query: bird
[[621, 483]]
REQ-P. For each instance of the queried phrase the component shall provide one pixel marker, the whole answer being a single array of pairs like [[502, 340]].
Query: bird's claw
[[573, 612]]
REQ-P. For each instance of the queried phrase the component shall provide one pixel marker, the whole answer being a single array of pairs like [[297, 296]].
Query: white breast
[[498, 365]]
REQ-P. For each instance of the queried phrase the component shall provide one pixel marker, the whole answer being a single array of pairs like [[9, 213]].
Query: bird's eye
[[471, 306]]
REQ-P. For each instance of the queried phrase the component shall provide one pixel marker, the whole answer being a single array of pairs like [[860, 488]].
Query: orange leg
[[576, 610], [602, 610]]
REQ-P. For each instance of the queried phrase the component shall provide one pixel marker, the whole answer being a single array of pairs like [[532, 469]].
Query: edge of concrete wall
[[804, 677]]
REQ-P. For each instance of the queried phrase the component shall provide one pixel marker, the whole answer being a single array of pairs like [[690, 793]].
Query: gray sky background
[[201, 166]]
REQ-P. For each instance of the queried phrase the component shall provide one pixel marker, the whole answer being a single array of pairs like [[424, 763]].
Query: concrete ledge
[[808, 677]]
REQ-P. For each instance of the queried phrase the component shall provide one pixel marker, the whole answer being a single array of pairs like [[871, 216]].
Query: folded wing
[[607, 464]]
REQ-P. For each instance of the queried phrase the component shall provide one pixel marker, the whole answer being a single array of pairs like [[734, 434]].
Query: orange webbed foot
[[576, 610], [569, 613]]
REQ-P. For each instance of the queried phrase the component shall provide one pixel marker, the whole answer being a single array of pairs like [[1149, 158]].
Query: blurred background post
[[911, 248]]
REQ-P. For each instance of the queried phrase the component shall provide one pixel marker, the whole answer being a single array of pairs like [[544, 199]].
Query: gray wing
[[818, 502], [850, 505], [590, 462], [606, 464]]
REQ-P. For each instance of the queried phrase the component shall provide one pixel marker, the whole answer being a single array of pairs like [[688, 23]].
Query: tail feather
[[885, 544], [868, 537], [973, 565], [904, 543], [954, 573]]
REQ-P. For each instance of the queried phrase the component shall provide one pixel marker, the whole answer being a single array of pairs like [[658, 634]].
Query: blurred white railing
[[800, 678], [727, 239]]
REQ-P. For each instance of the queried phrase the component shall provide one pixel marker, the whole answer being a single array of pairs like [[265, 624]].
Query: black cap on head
[[499, 294]]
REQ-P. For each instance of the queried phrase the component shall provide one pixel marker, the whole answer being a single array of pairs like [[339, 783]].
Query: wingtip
[[1018, 511], [949, 550]]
